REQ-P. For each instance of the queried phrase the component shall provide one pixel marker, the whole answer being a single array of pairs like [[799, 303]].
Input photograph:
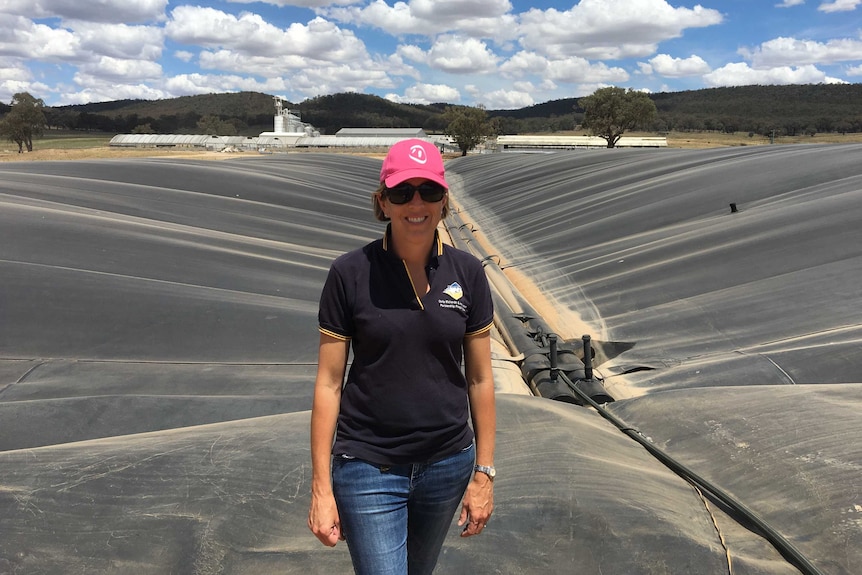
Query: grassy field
[[75, 146], [83, 147], [714, 139]]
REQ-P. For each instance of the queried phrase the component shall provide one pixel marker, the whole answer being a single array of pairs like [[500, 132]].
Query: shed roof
[[400, 133]]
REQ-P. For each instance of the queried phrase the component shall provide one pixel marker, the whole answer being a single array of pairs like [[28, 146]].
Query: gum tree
[[25, 120], [610, 112], [468, 126]]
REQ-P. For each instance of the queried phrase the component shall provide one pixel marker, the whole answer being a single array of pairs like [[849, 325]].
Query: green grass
[[60, 141]]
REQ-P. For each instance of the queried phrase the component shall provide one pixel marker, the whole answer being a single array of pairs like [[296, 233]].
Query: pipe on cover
[[525, 332]]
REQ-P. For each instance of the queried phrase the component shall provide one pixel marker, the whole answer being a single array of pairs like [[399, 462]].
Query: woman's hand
[[323, 520], [477, 506]]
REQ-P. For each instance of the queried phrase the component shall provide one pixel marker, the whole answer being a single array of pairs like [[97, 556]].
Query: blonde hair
[[378, 211]]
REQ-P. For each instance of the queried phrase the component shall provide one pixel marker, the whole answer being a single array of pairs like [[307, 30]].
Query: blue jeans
[[395, 518]]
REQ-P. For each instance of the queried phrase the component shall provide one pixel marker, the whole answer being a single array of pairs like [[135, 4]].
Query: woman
[[404, 455]]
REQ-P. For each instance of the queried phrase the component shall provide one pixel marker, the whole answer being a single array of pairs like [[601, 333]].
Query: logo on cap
[[417, 154]]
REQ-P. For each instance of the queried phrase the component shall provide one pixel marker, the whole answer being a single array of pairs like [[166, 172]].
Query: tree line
[[764, 110]]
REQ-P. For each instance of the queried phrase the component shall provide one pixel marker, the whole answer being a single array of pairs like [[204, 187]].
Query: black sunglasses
[[428, 191]]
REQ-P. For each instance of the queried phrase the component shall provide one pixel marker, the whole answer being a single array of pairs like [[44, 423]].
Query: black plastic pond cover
[[158, 346]]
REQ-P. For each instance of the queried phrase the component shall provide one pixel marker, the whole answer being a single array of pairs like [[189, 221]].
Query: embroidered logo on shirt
[[454, 290]]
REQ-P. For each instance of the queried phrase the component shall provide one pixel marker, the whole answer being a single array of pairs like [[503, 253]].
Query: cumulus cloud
[[506, 99], [839, 6], [524, 63], [191, 84], [483, 51], [481, 19], [24, 38], [563, 70], [251, 34], [458, 55], [740, 74], [792, 52], [427, 94], [107, 68], [16, 79], [299, 3], [610, 28], [95, 90], [116, 11], [120, 40], [670, 67], [576, 70]]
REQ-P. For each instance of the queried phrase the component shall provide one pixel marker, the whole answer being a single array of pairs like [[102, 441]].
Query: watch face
[[489, 471]]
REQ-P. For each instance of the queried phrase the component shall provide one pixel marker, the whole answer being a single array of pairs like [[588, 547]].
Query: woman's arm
[[323, 515], [479, 498]]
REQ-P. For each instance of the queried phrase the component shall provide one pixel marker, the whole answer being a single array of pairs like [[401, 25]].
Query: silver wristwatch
[[489, 471]]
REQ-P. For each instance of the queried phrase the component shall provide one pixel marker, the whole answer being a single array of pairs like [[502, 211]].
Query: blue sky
[[498, 53]]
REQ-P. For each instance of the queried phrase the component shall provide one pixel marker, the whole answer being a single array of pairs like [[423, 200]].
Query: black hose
[[782, 545]]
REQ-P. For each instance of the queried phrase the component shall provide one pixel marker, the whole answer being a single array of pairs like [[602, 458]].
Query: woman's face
[[417, 218]]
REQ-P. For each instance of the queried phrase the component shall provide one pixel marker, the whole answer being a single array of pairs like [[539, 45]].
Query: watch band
[[487, 470]]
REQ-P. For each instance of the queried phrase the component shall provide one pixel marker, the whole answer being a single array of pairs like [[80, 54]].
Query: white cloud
[[107, 68], [117, 11], [425, 50], [458, 55], [577, 70], [839, 6], [793, 52], [252, 35], [582, 90], [570, 70], [97, 91], [505, 99], [670, 67], [311, 81], [15, 79], [412, 52], [524, 63], [481, 19], [427, 94], [120, 40], [24, 38], [740, 74], [190, 84], [610, 29], [299, 3]]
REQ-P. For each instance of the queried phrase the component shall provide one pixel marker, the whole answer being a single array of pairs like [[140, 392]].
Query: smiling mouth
[[417, 220]]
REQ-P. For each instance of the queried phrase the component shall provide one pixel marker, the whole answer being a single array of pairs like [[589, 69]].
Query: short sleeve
[[335, 315], [481, 312]]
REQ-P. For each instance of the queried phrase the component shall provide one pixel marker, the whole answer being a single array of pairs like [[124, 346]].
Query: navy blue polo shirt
[[405, 397]]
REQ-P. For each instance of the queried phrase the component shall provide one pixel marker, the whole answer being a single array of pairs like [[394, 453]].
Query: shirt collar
[[436, 247]]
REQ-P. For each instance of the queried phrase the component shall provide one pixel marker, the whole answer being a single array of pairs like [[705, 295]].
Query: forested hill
[[761, 109]]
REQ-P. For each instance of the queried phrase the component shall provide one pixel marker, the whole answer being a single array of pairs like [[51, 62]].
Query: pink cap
[[412, 159]]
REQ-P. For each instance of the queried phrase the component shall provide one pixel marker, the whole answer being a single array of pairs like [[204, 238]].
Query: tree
[[25, 120], [215, 126], [143, 129], [468, 126], [609, 112]]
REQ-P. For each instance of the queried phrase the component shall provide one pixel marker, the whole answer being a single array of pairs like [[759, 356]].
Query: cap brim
[[404, 175]]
